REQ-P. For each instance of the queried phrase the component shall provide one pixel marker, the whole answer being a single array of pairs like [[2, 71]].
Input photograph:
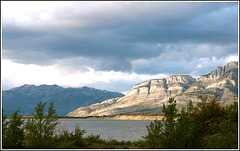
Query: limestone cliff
[[219, 71], [148, 97]]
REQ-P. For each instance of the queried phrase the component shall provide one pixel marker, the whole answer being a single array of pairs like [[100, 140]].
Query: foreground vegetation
[[207, 125]]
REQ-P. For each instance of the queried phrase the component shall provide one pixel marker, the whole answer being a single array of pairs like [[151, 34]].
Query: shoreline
[[126, 117], [113, 117]]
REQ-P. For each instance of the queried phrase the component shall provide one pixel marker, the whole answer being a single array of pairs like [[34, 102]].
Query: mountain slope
[[149, 96], [66, 99]]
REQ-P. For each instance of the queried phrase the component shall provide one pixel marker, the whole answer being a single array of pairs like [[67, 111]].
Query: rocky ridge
[[148, 97]]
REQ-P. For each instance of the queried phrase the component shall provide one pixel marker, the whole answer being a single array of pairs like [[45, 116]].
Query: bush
[[75, 139], [93, 138]]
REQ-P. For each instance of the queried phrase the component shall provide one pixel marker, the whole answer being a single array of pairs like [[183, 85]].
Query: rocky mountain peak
[[219, 71], [232, 65]]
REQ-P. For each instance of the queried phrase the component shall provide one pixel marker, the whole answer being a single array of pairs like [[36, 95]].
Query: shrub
[[93, 138], [75, 139]]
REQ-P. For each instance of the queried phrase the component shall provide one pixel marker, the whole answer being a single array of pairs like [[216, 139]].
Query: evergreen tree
[[155, 131], [31, 133], [49, 125], [161, 134], [13, 132], [170, 113], [225, 133], [4, 128], [40, 129], [186, 129]]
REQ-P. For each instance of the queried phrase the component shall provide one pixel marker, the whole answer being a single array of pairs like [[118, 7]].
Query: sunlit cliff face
[[149, 96]]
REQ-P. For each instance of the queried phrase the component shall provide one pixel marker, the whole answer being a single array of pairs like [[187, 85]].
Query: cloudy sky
[[114, 45]]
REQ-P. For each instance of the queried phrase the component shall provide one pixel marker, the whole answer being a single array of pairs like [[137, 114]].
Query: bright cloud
[[17, 74]]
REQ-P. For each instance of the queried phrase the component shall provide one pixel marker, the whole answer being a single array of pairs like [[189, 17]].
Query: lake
[[132, 130]]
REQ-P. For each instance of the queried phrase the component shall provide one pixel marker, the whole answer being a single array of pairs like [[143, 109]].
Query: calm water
[[132, 130]]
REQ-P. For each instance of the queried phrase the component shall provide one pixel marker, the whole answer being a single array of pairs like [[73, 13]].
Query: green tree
[[13, 132], [170, 113], [40, 129], [155, 134], [50, 124], [4, 128], [161, 134], [209, 111], [186, 130], [31, 133], [225, 133]]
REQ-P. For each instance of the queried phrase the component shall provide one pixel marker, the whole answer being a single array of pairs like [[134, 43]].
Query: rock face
[[65, 99], [219, 71], [148, 97]]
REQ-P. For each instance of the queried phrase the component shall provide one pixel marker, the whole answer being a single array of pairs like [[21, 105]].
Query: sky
[[114, 45]]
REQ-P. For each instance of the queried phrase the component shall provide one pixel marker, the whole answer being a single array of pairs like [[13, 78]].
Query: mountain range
[[65, 99], [149, 96]]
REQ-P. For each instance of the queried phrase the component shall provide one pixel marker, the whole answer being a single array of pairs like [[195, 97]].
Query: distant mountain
[[149, 96], [65, 99]]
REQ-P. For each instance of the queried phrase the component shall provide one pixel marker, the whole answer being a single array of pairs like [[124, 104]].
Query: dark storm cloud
[[112, 41]]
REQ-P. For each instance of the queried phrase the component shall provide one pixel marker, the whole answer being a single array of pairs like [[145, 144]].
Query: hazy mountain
[[149, 96], [66, 99]]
